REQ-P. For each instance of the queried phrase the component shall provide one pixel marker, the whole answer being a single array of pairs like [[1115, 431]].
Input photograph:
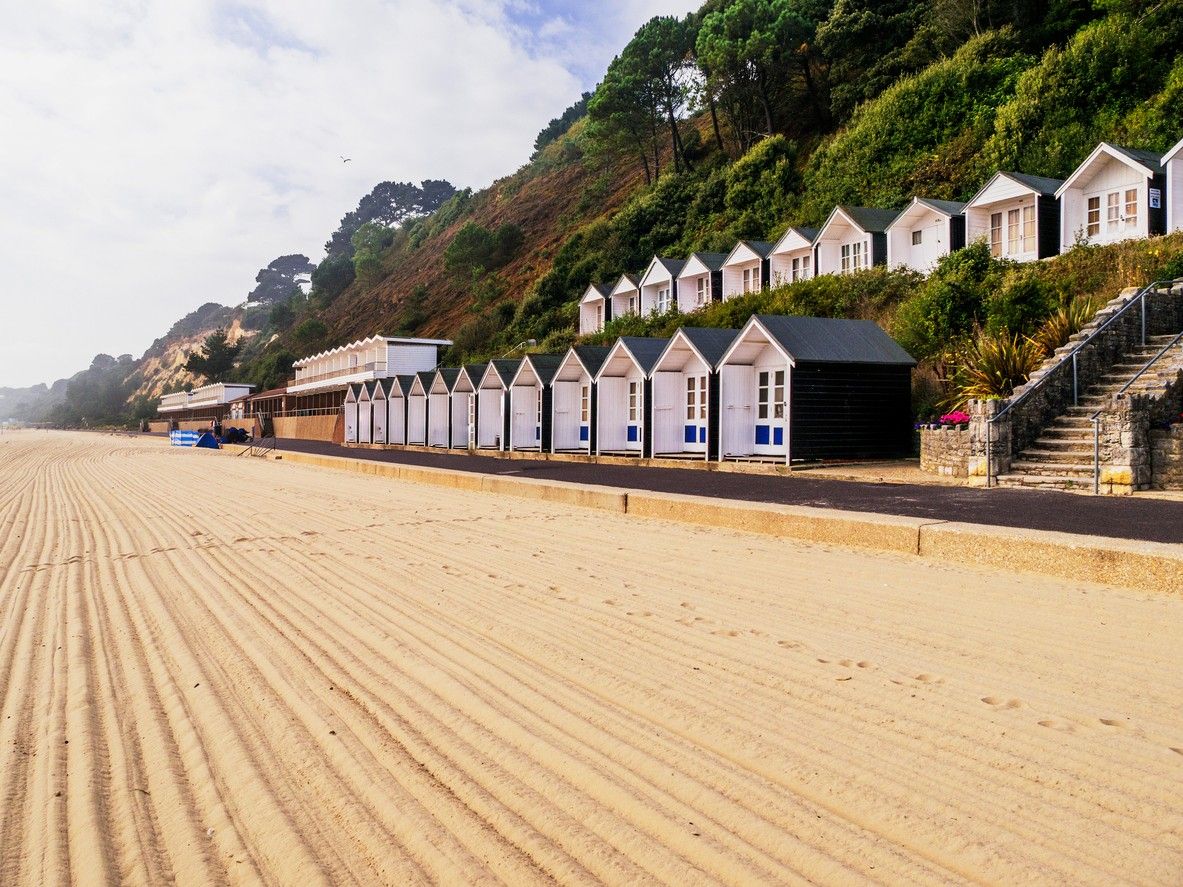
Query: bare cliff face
[[162, 368]]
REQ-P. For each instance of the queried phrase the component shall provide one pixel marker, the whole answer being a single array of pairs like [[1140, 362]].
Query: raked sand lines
[[220, 670]]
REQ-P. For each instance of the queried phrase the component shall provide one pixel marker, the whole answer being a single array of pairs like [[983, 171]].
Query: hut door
[[770, 412], [694, 431], [472, 421]]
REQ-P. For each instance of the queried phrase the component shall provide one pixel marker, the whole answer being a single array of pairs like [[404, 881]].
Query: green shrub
[[991, 366], [475, 249], [1021, 303]]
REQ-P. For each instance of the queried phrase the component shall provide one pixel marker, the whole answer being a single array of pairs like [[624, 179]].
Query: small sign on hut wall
[[1156, 198]]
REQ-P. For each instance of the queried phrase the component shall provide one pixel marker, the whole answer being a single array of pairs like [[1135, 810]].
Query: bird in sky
[[344, 159]]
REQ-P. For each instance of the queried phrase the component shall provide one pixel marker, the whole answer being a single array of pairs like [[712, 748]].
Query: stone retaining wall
[[946, 450], [1166, 458]]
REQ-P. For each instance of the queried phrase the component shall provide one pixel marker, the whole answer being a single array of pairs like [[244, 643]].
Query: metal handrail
[[1139, 298], [1095, 417]]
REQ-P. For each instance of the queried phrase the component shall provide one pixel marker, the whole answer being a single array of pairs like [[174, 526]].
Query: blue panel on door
[[691, 434], [537, 432], [583, 435], [778, 437], [762, 435], [633, 434], [702, 435]]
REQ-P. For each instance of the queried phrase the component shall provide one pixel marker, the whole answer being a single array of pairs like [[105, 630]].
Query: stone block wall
[[1166, 458], [946, 450]]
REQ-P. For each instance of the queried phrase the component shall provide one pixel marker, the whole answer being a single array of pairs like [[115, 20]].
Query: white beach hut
[[746, 268], [463, 406], [397, 389], [924, 233], [622, 396], [378, 407], [572, 399], [350, 407], [417, 408], [365, 413], [1017, 215], [700, 281], [530, 402], [791, 258], [685, 392], [625, 297], [439, 407], [595, 308], [659, 285], [853, 238], [1116, 194], [492, 408], [1172, 163]]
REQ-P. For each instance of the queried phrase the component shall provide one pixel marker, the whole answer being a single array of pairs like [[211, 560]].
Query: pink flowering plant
[[957, 417]]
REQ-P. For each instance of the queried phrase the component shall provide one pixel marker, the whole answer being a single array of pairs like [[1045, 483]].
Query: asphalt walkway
[[1119, 517]]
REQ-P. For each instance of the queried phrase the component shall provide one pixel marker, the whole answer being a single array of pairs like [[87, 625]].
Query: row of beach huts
[[780, 389], [1115, 194]]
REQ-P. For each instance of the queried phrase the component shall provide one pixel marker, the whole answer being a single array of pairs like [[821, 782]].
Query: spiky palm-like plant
[[1062, 324], [991, 366]]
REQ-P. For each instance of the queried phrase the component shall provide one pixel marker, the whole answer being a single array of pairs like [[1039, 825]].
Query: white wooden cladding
[[737, 388], [524, 433], [379, 421], [461, 401], [351, 422], [566, 409], [437, 416], [396, 428], [612, 413], [489, 422], [668, 410], [417, 420], [364, 416]]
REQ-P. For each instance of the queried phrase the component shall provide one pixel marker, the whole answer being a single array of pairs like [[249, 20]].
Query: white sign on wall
[[1155, 198]]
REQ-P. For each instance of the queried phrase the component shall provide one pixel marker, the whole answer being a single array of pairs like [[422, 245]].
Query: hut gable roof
[[711, 343], [869, 219], [833, 340], [592, 357], [703, 262], [644, 351], [544, 365], [595, 292]]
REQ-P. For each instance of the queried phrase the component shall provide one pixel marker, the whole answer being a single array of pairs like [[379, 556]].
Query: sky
[[155, 154]]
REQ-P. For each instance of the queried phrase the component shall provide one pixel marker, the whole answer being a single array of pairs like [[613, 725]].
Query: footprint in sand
[[999, 702], [1058, 724], [790, 645], [726, 632], [1113, 722], [610, 602], [686, 605], [1178, 751], [926, 678]]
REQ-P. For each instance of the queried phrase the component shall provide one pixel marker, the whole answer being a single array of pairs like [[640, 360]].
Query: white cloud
[[155, 154]]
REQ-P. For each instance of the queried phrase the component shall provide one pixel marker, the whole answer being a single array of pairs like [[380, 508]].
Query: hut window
[[1094, 217], [584, 402], [1131, 208], [762, 395], [634, 401], [917, 237], [1112, 210], [1028, 229], [845, 269], [691, 393], [996, 234], [632, 304], [702, 290], [801, 268], [539, 394], [751, 279], [1012, 232], [599, 316], [778, 395], [663, 300]]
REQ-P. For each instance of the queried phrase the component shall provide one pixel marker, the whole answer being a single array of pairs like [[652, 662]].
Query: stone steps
[[1052, 469], [1045, 482]]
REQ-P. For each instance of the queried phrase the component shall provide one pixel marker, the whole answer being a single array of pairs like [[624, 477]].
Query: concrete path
[[1129, 517]]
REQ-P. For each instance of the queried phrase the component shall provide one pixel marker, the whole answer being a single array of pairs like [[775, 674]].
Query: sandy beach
[[219, 670]]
